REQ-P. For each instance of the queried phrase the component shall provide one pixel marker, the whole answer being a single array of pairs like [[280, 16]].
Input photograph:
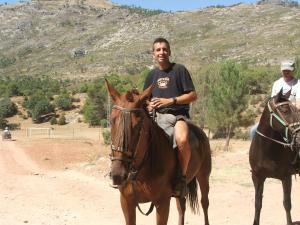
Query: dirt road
[[40, 195]]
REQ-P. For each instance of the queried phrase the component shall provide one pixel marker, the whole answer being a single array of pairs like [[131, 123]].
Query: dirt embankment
[[62, 182]]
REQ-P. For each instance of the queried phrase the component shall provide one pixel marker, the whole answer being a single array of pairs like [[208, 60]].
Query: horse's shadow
[[296, 223]]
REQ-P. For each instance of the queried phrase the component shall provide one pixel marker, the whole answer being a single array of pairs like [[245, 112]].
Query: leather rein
[[123, 146], [294, 128]]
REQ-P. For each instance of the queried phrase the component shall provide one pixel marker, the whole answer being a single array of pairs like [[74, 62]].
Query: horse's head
[[127, 122], [284, 118]]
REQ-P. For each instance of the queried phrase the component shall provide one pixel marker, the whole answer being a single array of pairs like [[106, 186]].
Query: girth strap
[[141, 211]]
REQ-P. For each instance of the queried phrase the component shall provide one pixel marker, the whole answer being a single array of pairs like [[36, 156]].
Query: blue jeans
[[253, 131]]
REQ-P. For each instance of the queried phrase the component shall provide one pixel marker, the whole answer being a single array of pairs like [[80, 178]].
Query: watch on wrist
[[174, 100]]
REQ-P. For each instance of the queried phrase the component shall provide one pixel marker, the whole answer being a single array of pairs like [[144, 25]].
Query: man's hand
[[150, 106], [161, 102]]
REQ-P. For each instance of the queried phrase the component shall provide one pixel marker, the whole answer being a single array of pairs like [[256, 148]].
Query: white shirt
[[293, 84]]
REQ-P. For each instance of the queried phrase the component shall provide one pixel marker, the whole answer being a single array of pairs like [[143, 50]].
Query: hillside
[[82, 39]]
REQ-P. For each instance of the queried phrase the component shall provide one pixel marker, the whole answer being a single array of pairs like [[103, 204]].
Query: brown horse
[[274, 150], [144, 162]]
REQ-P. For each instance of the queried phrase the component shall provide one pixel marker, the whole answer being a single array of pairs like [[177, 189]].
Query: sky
[[177, 5], [169, 5]]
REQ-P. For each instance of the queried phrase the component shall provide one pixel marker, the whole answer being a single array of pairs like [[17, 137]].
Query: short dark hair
[[159, 40]]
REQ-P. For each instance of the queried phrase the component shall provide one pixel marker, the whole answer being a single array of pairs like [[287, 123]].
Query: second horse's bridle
[[292, 128]]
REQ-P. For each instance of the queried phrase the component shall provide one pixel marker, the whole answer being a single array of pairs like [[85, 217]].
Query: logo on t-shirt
[[163, 82]]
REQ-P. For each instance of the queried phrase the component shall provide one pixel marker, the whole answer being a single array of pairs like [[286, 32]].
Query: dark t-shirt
[[173, 82]]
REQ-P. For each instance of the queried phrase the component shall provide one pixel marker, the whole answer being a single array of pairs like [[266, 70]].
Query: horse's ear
[[279, 95], [147, 93], [112, 91], [287, 95]]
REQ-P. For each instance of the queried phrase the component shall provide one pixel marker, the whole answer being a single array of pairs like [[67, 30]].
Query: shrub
[[63, 102], [3, 122], [62, 120], [6, 61], [7, 108], [91, 113], [107, 137], [14, 126], [40, 109], [53, 120], [248, 117], [142, 11], [104, 123], [239, 134]]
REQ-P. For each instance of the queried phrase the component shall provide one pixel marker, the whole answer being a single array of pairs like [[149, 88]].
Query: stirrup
[[180, 187]]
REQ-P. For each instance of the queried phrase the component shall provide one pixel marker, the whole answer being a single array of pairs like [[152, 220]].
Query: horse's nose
[[118, 176], [118, 179], [118, 172]]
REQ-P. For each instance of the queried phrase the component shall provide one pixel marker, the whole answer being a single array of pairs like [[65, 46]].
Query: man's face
[[288, 74], [161, 52]]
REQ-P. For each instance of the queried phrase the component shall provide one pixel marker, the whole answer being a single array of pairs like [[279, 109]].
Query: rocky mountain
[[83, 39]]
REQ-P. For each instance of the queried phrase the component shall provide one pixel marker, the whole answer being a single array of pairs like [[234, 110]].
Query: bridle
[[124, 140], [123, 146], [291, 129]]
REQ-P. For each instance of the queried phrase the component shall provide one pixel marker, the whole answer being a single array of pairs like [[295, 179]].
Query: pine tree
[[227, 98]]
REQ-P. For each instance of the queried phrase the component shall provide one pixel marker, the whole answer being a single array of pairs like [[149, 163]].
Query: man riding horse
[[287, 83], [172, 93], [274, 150]]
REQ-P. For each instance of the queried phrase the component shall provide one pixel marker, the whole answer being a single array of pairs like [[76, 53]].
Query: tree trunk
[[226, 147]]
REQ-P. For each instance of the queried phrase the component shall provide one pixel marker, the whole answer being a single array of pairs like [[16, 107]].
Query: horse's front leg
[[162, 211], [287, 187], [181, 207], [259, 189], [128, 208]]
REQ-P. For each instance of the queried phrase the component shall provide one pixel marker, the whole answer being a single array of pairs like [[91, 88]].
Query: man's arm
[[187, 98], [182, 99]]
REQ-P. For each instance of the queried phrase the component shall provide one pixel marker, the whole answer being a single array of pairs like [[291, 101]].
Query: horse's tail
[[193, 196]]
